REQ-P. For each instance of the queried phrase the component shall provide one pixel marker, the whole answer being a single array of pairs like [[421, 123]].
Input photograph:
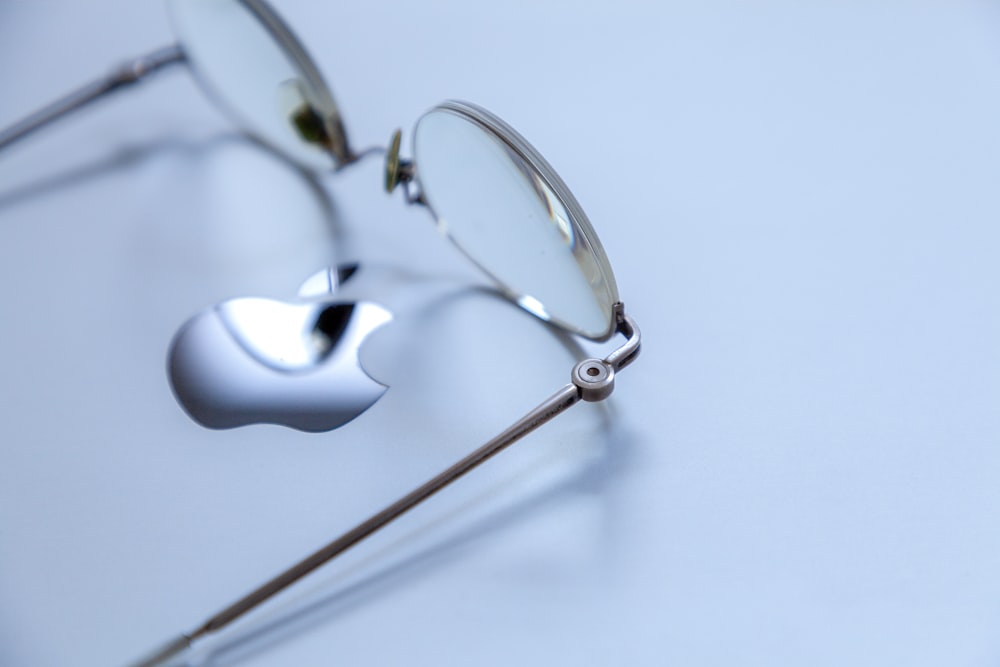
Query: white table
[[802, 468]]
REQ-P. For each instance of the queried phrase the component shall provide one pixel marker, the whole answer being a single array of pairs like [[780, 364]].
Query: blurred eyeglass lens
[[242, 61]]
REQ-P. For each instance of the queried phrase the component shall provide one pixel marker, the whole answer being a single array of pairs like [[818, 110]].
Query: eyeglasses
[[490, 192], [249, 63]]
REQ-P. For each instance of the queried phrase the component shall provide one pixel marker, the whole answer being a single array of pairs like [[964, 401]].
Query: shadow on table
[[133, 156], [615, 450]]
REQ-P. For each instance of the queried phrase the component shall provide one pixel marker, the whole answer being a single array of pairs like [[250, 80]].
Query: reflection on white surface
[[280, 335]]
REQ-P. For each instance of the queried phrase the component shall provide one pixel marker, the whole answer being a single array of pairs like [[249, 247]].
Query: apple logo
[[252, 360]]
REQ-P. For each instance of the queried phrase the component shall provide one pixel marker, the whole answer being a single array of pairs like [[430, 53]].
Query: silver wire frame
[[581, 388], [121, 77]]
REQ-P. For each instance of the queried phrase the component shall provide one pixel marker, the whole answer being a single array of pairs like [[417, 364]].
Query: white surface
[[802, 468]]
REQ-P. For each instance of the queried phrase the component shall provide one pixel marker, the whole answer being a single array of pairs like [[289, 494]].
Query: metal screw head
[[594, 378]]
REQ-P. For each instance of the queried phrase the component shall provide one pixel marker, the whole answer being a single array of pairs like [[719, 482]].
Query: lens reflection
[[500, 208], [245, 57]]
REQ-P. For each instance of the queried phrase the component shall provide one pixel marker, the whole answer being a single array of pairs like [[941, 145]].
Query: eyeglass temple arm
[[123, 76], [587, 385]]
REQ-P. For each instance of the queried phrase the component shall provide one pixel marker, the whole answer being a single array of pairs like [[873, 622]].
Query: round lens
[[249, 61], [505, 207]]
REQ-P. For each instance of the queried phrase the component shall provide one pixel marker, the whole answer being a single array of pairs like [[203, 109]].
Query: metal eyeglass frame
[[590, 380]]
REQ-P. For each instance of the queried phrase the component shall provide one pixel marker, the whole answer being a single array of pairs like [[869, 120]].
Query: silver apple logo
[[251, 360]]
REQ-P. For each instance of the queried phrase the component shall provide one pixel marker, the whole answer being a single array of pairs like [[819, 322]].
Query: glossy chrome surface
[[252, 361]]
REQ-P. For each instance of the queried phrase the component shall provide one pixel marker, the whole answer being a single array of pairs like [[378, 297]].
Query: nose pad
[[251, 361], [295, 104], [314, 120]]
